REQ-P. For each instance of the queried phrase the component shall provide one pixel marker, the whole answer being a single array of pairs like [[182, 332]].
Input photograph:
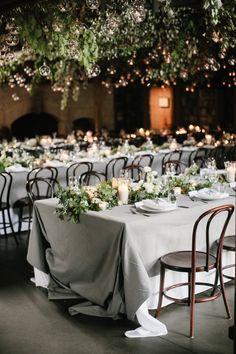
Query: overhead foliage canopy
[[156, 42]]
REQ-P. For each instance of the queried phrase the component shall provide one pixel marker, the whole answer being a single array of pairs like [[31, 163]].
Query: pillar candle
[[123, 193]]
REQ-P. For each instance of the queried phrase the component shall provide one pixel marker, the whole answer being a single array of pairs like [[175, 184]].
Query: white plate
[[154, 211], [206, 196]]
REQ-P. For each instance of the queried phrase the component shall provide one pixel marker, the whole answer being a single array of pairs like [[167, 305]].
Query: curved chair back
[[48, 172], [91, 178], [207, 218], [77, 169], [143, 160], [114, 166], [5, 188], [41, 188]]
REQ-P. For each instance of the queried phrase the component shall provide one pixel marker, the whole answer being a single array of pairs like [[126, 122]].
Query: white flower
[[147, 169], [96, 201], [149, 187], [102, 205], [136, 187]]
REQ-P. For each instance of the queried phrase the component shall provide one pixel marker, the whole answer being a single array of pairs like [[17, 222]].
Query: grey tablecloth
[[110, 258]]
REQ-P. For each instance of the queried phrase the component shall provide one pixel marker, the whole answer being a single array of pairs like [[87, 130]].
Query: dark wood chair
[[178, 166], [194, 261], [20, 204], [41, 188], [5, 190], [143, 160], [229, 245], [77, 169], [92, 178], [114, 166]]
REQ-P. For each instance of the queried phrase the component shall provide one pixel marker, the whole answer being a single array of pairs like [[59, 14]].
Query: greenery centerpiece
[[76, 199]]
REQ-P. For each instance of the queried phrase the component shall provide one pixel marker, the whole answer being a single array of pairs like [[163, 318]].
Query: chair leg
[[30, 216], [223, 291], [215, 282], [162, 279], [192, 304], [189, 289], [4, 223], [20, 219], [11, 226]]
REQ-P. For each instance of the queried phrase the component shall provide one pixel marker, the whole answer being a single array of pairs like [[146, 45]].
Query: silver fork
[[138, 213], [194, 199]]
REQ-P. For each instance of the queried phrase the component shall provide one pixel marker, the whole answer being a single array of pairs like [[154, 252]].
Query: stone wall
[[94, 102]]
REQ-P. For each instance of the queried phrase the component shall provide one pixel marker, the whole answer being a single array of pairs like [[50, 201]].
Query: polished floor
[[31, 324]]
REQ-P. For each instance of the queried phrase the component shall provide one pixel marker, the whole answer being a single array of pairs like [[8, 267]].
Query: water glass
[[73, 181], [211, 163], [170, 169]]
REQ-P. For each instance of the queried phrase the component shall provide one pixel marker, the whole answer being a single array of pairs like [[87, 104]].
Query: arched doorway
[[32, 124], [84, 124]]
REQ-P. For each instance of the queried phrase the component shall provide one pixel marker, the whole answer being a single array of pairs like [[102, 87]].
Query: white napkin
[[17, 168], [158, 204], [232, 184], [150, 326], [207, 193]]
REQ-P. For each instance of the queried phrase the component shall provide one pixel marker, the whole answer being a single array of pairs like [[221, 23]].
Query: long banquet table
[[110, 258]]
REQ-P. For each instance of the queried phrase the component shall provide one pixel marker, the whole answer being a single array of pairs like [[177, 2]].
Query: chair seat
[[21, 202], [182, 261], [4, 206], [229, 243]]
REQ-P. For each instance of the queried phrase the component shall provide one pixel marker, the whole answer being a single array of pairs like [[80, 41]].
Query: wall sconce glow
[[163, 102]]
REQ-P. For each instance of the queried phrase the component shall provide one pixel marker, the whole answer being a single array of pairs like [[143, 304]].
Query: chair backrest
[[114, 166], [143, 160], [77, 169], [207, 218], [91, 178], [135, 172], [5, 187], [176, 166], [49, 172], [41, 188]]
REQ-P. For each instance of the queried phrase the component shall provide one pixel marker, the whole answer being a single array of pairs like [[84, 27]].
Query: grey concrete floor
[[31, 324]]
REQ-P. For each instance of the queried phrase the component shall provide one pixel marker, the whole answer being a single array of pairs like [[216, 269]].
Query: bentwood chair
[[92, 178], [114, 166], [5, 190], [76, 170], [143, 160], [177, 165], [194, 261], [41, 188], [229, 245], [20, 204]]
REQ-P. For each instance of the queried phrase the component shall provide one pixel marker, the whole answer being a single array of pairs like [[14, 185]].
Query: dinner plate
[[213, 196], [154, 211]]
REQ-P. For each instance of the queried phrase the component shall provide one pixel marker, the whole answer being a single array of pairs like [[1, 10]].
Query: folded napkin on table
[[208, 194], [158, 204], [232, 184]]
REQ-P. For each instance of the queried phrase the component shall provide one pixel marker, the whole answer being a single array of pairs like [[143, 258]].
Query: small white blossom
[[149, 187], [147, 169], [102, 205]]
